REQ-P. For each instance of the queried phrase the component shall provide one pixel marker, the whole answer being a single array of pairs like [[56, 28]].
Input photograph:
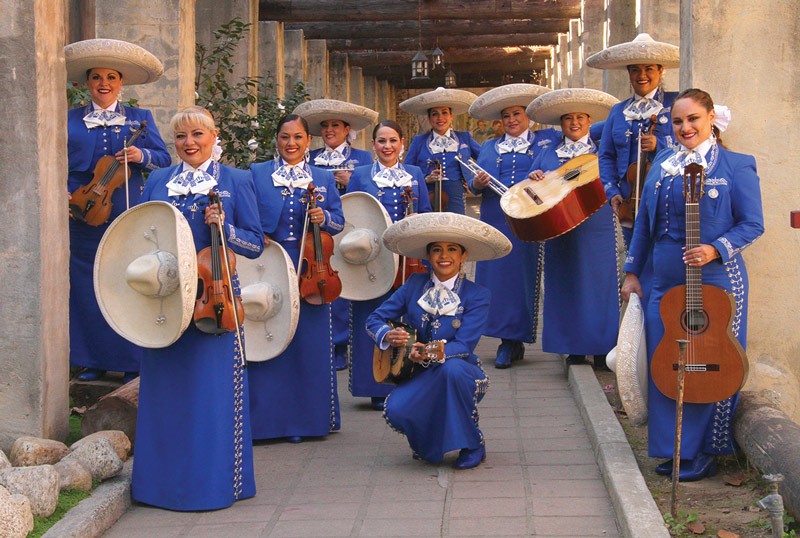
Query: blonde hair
[[196, 115]]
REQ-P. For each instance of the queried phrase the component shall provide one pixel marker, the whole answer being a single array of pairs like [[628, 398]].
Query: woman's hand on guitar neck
[[700, 255], [417, 352], [631, 285]]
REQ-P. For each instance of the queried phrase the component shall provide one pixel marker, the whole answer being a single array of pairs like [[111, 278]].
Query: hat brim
[[459, 101], [549, 107], [266, 339], [636, 53], [411, 236], [361, 282], [631, 362], [149, 322], [135, 64], [491, 104], [315, 112]]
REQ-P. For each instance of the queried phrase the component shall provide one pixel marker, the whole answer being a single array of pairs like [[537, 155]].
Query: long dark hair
[[702, 98], [291, 117], [390, 124]]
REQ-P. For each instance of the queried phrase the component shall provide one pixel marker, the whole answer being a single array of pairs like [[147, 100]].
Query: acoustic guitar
[[702, 314], [393, 365], [564, 198]]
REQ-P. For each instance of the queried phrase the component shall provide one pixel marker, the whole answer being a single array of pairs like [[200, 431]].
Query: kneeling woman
[[437, 407]]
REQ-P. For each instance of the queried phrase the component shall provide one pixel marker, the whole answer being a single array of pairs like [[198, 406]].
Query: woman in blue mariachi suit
[[294, 395], [442, 143], [581, 286], [386, 179], [98, 129], [515, 279], [338, 122], [193, 445], [436, 409], [731, 219]]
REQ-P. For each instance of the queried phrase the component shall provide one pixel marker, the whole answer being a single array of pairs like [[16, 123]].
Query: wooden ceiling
[[485, 42]]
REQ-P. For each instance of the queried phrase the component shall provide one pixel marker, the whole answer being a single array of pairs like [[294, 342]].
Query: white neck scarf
[[191, 180], [517, 144], [392, 177], [291, 176], [569, 149], [440, 299], [642, 107], [676, 164], [445, 143], [331, 157], [102, 117]]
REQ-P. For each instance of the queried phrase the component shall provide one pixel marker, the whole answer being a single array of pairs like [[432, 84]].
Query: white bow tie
[[515, 144], [642, 108], [569, 149], [329, 158], [439, 301], [392, 177], [675, 165], [443, 144], [103, 118], [293, 177], [194, 181]]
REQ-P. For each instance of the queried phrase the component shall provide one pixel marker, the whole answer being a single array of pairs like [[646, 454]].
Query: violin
[[217, 309], [635, 176], [438, 197], [319, 282], [91, 203], [408, 266]]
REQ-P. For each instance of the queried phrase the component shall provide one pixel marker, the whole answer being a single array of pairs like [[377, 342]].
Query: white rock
[[98, 455], [38, 483], [73, 474], [16, 517], [120, 442], [37, 451], [4, 463]]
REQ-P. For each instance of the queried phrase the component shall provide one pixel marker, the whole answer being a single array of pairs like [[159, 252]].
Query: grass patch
[[74, 432], [66, 500]]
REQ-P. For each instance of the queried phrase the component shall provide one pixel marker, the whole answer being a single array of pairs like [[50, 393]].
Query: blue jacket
[[390, 198], [419, 154]]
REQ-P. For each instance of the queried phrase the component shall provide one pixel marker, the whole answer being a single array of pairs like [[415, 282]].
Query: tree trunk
[[114, 411]]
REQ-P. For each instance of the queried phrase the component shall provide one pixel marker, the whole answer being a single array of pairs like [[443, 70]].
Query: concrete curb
[[637, 513], [97, 513]]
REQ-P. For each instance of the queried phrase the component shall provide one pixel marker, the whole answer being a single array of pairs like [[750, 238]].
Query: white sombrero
[[458, 101], [271, 301], [629, 361], [549, 107], [145, 275], [366, 268], [642, 50], [316, 111], [137, 65], [491, 104], [411, 236]]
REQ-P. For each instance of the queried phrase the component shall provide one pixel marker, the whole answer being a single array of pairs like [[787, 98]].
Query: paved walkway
[[540, 477]]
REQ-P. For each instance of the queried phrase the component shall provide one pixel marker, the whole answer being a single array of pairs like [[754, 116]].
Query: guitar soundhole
[[694, 321], [572, 174]]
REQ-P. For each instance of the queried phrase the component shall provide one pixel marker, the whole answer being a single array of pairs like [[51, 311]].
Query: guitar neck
[[694, 279]]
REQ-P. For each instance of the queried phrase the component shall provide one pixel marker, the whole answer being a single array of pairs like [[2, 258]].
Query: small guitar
[[716, 364], [393, 365]]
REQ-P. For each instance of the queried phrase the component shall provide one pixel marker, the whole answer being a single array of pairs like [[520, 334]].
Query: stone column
[[392, 106], [548, 73], [563, 61], [294, 58], [661, 19], [575, 54], [210, 15], [383, 99], [592, 31], [34, 321], [317, 68], [554, 67], [339, 76], [370, 93], [167, 29], [270, 56], [758, 81], [620, 27], [357, 97]]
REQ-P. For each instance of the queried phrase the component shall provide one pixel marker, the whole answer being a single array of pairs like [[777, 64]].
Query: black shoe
[[91, 374], [518, 352], [573, 360], [377, 403], [600, 363], [504, 353], [470, 457], [340, 357], [665, 468]]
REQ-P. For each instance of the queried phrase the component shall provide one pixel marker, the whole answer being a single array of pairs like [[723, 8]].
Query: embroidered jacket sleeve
[[642, 226], [607, 155], [392, 308], [154, 150], [476, 312], [332, 205], [745, 209], [243, 231]]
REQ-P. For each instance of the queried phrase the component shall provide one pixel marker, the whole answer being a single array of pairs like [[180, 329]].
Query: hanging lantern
[[419, 66], [438, 57], [450, 79]]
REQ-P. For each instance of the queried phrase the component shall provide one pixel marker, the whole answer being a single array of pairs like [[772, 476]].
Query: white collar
[[523, 135], [702, 148], [445, 135], [203, 167], [111, 108], [584, 139], [382, 167], [341, 148], [449, 283], [651, 95]]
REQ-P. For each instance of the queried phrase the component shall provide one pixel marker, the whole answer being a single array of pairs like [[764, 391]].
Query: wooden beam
[[399, 10], [479, 68], [411, 28], [464, 81], [452, 56], [430, 42]]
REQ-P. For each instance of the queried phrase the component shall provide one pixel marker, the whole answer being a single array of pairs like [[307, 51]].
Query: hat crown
[[261, 301], [154, 274], [360, 246]]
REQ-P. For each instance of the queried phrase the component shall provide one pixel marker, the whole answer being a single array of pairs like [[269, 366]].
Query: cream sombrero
[[316, 111], [271, 301], [490, 105], [458, 101], [642, 50], [366, 268], [137, 65], [145, 275], [549, 107], [629, 361], [411, 236]]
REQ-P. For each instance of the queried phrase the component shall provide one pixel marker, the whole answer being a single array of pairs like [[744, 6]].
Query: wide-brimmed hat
[[458, 101], [137, 65], [629, 361], [491, 104], [145, 275], [366, 267], [316, 111], [642, 50], [411, 236], [271, 301], [549, 107]]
